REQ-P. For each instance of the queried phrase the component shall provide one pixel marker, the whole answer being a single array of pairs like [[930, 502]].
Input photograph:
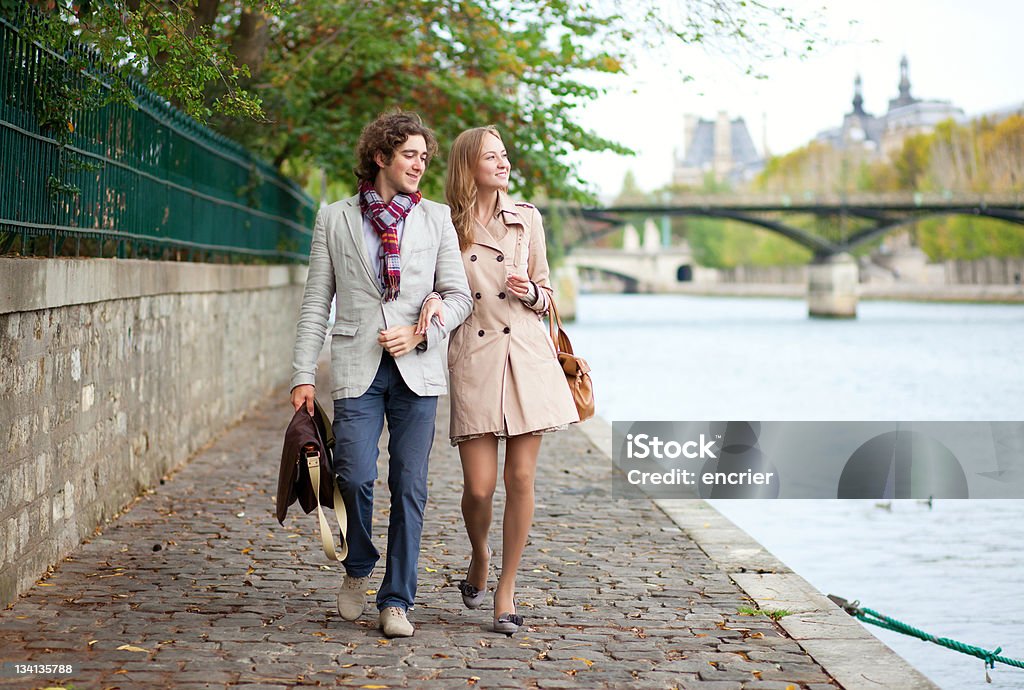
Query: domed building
[[883, 135]]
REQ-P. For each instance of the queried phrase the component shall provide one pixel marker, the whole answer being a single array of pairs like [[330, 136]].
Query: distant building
[[883, 135], [860, 129], [1000, 114], [722, 148]]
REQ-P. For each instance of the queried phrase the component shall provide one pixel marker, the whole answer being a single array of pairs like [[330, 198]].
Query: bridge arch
[[885, 213]]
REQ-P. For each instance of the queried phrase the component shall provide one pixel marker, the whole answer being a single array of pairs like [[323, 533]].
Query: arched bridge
[[855, 220], [844, 223]]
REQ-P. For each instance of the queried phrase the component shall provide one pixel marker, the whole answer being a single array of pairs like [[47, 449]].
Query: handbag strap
[[326, 538], [559, 338]]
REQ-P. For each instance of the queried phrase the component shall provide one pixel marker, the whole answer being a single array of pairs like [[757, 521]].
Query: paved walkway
[[196, 585]]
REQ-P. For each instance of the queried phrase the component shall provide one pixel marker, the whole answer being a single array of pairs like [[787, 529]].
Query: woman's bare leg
[[520, 470], [480, 476]]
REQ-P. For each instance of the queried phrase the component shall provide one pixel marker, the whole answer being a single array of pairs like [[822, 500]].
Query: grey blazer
[[340, 269]]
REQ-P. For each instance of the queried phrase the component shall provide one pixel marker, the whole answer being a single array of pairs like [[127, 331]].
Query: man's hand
[[303, 395], [400, 340]]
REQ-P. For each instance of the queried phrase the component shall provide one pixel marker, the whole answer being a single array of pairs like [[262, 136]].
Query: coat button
[[500, 258], [501, 295], [477, 295], [480, 333], [506, 330], [472, 257]]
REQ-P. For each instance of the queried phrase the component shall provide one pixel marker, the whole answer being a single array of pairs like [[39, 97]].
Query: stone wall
[[112, 373], [988, 271]]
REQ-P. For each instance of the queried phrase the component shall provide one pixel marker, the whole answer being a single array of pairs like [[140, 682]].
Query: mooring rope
[[990, 657]]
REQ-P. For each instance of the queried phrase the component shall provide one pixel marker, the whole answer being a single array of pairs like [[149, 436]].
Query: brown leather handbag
[[577, 371], [307, 476]]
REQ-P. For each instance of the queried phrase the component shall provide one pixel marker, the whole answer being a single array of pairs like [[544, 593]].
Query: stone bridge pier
[[832, 284]]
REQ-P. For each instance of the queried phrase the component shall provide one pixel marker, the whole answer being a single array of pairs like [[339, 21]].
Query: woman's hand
[[518, 285], [431, 308]]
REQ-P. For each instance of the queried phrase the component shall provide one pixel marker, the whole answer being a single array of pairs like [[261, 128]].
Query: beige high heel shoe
[[472, 596]]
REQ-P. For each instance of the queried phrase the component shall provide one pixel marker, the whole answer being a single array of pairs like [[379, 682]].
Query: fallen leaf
[[132, 648], [430, 570], [247, 550], [440, 656], [588, 662], [757, 636], [44, 584], [347, 665], [375, 687]]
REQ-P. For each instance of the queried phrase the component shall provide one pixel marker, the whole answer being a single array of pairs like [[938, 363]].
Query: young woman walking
[[505, 380]]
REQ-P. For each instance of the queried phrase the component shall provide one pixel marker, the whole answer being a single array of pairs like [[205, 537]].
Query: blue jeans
[[358, 423]]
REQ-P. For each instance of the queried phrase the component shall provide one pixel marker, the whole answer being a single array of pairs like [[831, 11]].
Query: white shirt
[[373, 243]]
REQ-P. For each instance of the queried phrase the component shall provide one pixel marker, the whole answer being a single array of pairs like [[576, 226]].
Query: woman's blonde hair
[[459, 183]]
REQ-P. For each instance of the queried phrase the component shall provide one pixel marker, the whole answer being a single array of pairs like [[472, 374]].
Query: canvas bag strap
[[326, 538]]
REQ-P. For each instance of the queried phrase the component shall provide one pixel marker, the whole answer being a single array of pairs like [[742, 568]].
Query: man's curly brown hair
[[384, 135]]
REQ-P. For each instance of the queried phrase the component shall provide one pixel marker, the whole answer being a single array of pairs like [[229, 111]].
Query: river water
[[952, 569]]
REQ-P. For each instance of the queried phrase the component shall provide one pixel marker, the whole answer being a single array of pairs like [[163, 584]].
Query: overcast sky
[[965, 51]]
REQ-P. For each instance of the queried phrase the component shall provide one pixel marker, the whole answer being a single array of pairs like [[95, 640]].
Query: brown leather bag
[[577, 371], [307, 476]]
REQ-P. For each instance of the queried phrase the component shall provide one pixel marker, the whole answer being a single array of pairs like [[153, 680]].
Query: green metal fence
[[143, 183]]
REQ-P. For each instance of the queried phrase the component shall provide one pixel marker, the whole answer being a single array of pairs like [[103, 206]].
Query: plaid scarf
[[385, 218]]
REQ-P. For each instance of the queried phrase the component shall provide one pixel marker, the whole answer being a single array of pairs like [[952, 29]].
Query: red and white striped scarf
[[385, 219]]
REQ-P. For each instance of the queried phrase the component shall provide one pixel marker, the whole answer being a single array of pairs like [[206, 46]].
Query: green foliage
[[727, 244], [774, 614], [967, 237], [913, 162], [979, 157], [296, 81], [156, 42]]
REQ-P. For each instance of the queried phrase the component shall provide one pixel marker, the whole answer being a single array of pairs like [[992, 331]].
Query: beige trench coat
[[504, 375]]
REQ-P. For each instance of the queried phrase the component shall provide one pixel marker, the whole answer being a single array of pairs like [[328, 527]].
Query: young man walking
[[380, 255]]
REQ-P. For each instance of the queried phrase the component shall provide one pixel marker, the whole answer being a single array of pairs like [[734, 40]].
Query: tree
[[296, 81]]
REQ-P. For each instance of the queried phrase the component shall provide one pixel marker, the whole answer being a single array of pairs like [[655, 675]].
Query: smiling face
[[492, 167], [404, 172]]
